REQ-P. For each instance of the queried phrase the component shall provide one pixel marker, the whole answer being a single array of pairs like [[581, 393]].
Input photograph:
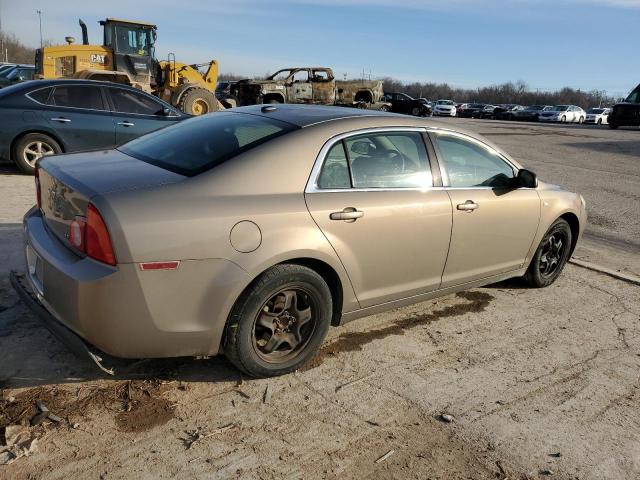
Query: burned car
[[315, 85]]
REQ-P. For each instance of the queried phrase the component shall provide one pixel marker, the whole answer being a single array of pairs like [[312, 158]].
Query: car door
[[80, 118], [136, 114], [494, 223], [371, 193], [299, 87], [323, 88]]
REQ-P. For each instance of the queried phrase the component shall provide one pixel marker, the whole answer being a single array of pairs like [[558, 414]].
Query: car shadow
[[10, 169]]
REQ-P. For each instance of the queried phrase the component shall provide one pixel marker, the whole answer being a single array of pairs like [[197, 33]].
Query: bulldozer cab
[[132, 44]]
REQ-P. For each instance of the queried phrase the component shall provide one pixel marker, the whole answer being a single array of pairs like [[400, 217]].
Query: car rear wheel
[[551, 256], [279, 322], [415, 111], [563, 119], [31, 148], [599, 121], [581, 120]]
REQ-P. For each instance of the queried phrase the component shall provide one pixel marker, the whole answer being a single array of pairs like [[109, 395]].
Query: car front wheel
[[551, 256], [279, 322], [31, 148]]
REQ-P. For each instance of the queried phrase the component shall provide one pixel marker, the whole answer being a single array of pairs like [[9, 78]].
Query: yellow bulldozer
[[127, 56]]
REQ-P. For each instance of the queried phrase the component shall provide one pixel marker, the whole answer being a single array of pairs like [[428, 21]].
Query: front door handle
[[348, 215], [60, 119], [126, 124], [468, 206]]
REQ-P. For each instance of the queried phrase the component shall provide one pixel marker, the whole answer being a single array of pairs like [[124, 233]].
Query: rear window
[[199, 144]]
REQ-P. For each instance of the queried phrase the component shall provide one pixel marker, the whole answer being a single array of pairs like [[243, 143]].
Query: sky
[[548, 44]]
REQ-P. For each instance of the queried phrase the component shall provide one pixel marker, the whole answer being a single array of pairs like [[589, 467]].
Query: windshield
[[560, 108], [199, 144], [445, 102], [596, 111], [280, 75], [634, 96], [134, 40]]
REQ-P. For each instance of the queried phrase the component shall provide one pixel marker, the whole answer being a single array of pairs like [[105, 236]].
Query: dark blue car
[[46, 117]]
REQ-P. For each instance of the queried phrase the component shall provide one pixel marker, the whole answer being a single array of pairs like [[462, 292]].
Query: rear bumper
[[127, 312], [73, 342]]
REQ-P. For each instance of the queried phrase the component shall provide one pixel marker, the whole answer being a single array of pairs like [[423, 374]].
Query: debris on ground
[[385, 456], [18, 442], [446, 418], [546, 472], [44, 414], [242, 393], [555, 455], [195, 436], [353, 382], [266, 397]]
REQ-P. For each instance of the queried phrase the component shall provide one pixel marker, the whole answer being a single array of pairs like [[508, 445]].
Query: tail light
[[97, 238], [37, 180], [90, 235]]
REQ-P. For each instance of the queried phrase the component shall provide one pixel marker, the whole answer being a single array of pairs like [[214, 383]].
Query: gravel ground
[[539, 382]]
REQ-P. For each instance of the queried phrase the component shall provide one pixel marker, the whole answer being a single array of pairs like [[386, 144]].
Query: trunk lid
[[68, 182]]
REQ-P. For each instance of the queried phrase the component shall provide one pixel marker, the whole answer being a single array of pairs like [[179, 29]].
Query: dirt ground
[[539, 383]]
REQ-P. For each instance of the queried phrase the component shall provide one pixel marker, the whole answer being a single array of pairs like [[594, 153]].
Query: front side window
[[469, 164], [78, 96], [378, 160], [126, 101], [201, 143]]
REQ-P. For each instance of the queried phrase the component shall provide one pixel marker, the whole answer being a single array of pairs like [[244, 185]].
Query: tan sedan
[[249, 232]]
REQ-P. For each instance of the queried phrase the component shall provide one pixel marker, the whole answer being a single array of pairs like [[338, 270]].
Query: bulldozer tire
[[198, 101]]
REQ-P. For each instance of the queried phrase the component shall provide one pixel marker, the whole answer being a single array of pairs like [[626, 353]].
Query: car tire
[[415, 111], [612, 126], [261, 329], [30, 148], [198, 101], [551, 255], [385, 108], [599, 121], [563, 119], [581, 120]]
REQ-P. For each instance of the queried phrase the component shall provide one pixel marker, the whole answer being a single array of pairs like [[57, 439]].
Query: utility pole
[[39, 12]]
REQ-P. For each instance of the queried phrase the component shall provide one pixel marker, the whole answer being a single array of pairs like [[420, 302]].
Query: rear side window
[[40, 96], [335, 170], [199, 144], [389, 160], [126, 101], [78, 96]]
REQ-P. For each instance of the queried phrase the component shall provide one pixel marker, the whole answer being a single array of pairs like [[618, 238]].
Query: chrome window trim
[[28, 95], [312, 183], [443, 172]]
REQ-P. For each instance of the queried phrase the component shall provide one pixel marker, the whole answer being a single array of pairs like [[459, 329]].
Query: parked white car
[[564, 114], [445, 108], [599, 116]]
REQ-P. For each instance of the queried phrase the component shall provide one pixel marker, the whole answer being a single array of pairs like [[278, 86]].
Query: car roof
[[305, 115], [32, 84]]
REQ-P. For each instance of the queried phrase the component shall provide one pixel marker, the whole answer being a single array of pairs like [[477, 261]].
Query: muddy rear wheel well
[[574, 224], [330, 276]]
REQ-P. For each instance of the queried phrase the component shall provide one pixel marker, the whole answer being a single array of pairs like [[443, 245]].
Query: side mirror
[[167, 112], [527, 179]]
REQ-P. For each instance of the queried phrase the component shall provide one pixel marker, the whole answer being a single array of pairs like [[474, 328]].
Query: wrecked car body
[[311, 85]]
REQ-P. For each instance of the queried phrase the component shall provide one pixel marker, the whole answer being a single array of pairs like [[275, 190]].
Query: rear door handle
[[60, 119], [468, 206], [348, 215], [126, 124]]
